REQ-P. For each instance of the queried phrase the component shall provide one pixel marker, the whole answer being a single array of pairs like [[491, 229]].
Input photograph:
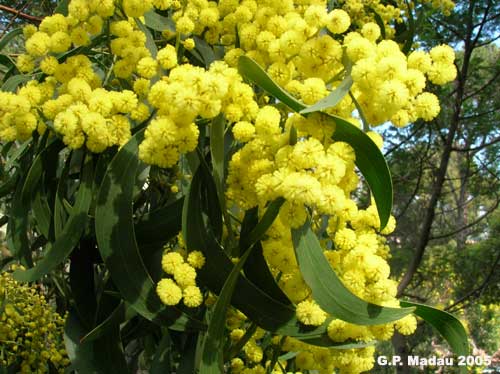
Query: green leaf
[[62, 7], [329, 291], [10, 85], [117, 243], [212, 359], [256, 304], [256, 234], [369, 159], [161, 361], [41, 211], [150, 42], [371, 163], [82, 282], [158, 22], [15, 153], [249, 69], [256, 268], [104, 355], [71, 234], [8, 186], [9, 36], [332, 99], [44, 160], [205, 50], [17, 229], [156, 228], [217, 155], [120, 314], [450, 328], [7, 62]]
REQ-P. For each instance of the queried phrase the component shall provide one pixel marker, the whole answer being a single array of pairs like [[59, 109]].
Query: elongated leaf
[[71, 234], [369, 159], [121, 313], [212, 358], [82, 283], [450, 328], [17, 229], [62, 7], [206, 52], [7, 62], [42, 213], [158, 22], [217, 154], [155, 228], [150, 42], [161, 361], [372, 165], [332, 99], [11, 84], [115, 234], [257, 305], [43, 161], [11, 35], [260, 229], [249, 69], [15, 153], [256, 268], [104, 355], [328, 290]]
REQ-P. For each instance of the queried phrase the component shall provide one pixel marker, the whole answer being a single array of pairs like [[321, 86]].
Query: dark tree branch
[[20, 14], [480, 288], [445, 158], [448, 234]]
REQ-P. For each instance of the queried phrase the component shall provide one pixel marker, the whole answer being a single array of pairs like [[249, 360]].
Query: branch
[[443, 164], [18, 13], [478, 289], [492, 80], [473, 223], [472, 116]]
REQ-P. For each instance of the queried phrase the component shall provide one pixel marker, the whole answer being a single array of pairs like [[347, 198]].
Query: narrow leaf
[[120, 314], [371, 163], [71, 234], [217, 155], [158, 22], [212, 359], [11, 84], [205, 50], [159, 226], [115, 234], [450, 328], [332, 99], [161, 361], [104, 355], [9, 36], [261, 228], [249, 69], [329, 291], [150, 42]]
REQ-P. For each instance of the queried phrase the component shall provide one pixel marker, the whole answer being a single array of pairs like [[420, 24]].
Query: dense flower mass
[[31, 332], [177, 92]]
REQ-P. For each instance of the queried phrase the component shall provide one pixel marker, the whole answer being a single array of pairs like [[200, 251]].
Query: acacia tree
[[183, 176]]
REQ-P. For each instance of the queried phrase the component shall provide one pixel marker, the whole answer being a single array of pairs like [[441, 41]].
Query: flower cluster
[[31, 332], [188, 93], [181, 267]]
